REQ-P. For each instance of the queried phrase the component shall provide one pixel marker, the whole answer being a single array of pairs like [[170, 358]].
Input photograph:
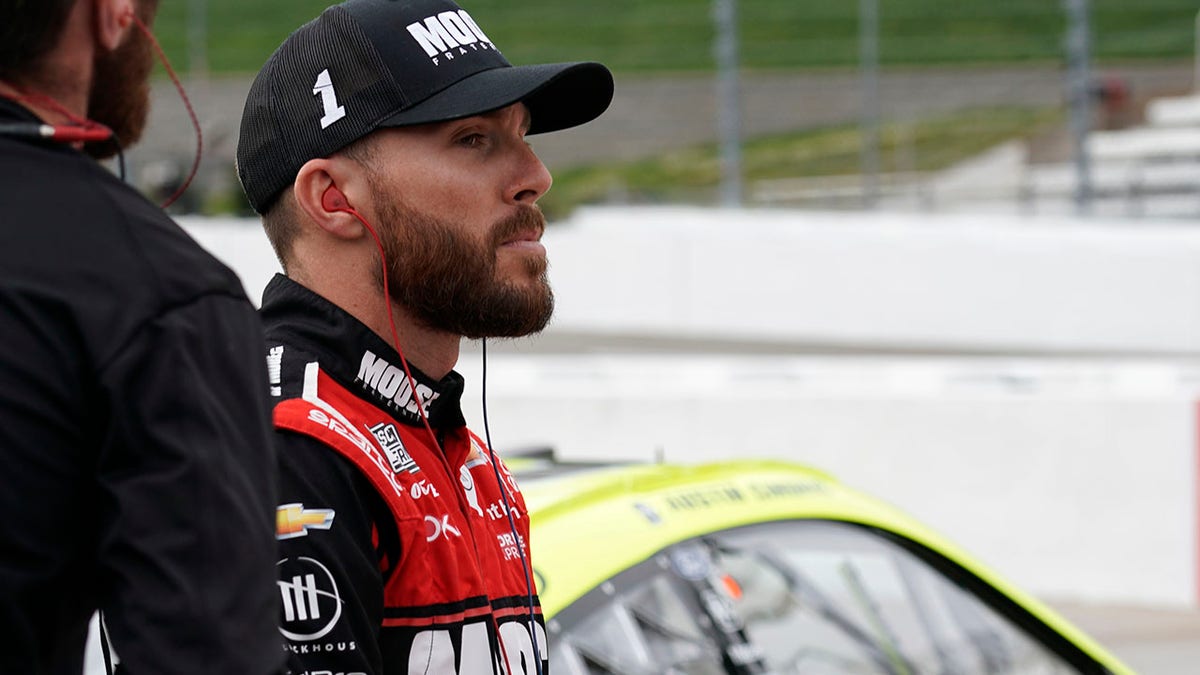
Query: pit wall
[[1075, 479], [1067, 459]]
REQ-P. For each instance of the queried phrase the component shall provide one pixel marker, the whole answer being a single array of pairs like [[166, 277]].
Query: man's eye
[[472, 140]]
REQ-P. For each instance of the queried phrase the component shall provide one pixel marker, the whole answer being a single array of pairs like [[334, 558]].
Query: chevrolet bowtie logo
[[293, 520]]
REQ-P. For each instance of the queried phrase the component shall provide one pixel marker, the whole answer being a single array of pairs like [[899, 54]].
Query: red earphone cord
[[333, 200], [187, 103], [83, 131]]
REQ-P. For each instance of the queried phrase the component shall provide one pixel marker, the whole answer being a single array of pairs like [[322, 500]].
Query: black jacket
[[136, 472]]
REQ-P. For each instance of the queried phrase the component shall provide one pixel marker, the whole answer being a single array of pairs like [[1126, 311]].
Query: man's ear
[[112, 21], [323, 189]]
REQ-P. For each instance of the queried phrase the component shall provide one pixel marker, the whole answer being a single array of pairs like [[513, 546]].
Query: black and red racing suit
[[396, 551]]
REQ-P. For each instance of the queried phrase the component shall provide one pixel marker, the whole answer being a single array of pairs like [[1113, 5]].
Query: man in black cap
[[137, 473], [384, 145]]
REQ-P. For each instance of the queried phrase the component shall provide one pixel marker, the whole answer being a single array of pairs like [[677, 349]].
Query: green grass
[[693, 174], [676, 35]]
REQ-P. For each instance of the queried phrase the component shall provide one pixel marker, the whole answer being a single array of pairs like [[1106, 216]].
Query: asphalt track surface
[[1152, 642], [653, 114]]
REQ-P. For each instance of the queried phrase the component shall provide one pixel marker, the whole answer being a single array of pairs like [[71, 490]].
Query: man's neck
[[433, 352], [40, 101]]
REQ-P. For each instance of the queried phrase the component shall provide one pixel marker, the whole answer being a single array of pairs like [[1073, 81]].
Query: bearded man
[[138, 476], [384, 144]]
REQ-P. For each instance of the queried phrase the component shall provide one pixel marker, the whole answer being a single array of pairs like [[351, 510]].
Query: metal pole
[[197, 39], [1196, 56], [1080, 96], [729, 122], [868, 64]]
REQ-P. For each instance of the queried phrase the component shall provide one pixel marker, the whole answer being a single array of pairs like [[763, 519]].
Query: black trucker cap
[[364, 65]]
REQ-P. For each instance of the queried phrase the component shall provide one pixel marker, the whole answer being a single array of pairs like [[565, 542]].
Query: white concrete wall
[[241, 244], [927, 281], [885, 280], [1075, 477]]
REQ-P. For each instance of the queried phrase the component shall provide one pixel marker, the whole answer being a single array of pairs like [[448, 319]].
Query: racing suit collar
[[357, 357]]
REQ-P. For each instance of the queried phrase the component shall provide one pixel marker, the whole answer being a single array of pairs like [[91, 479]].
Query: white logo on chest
[[468, 485]]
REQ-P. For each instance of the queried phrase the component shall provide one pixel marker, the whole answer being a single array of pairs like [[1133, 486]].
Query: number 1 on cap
[[324, 87]]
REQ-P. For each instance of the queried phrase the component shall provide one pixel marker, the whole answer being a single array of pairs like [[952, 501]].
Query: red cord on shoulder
[[187, 103]]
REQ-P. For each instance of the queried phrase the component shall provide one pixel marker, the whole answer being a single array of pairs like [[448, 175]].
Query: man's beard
[[448, 281], [120, 95]]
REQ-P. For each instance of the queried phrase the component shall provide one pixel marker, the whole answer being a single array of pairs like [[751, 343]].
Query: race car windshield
[[804, 596]]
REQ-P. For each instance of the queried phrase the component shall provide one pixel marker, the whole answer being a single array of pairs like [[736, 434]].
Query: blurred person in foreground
[[404, 539], [138, 476]]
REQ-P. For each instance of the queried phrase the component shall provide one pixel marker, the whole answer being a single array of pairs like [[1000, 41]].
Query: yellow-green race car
[[768, 567]]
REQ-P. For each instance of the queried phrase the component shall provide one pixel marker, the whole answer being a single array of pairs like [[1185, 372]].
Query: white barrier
[[1174, 111], [873, 281], [1074, 476], [880, 281], [1074, 479]]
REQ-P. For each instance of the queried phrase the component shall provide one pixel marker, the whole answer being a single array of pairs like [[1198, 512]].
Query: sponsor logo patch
[[293, 520], [275, 368], [392, 385], [360, 441], [423, 488], [397, 454], [436, 528], [468, 485], [498, 510], [311, 603], [511, 546], [449, 34], [468, 650]]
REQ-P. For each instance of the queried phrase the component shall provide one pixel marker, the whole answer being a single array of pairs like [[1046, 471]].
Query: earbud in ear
[[333, 200]]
